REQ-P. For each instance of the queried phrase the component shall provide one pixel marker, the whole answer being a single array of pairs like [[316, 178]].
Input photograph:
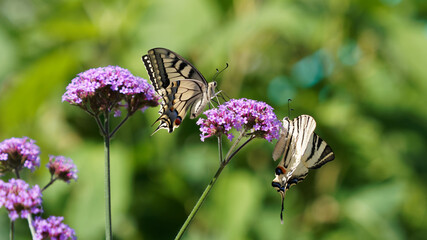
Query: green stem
[[98, 121], [199, 202], [119, 125], [12, 230], [52, 180], [223, 163], [107, 186], [17, 173], [238, 149], [30, 225], [101, 128], [227, 157], [220, 148]]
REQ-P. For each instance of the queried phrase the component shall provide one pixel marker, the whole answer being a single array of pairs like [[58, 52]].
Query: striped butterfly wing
[[300, 149], [179, 98], [182, 87], [318, 153], [293, 142]]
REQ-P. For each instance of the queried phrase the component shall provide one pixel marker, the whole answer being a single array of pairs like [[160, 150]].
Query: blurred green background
[[358, 67]]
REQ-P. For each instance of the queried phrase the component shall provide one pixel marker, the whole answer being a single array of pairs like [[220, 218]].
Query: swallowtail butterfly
[[299, 150], [182, 87]]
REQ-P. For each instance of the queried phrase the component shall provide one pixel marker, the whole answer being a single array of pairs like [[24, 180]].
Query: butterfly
[[300, 149], [182, 87]]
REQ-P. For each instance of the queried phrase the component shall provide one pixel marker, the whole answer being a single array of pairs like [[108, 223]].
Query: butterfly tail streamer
[[283, 207]]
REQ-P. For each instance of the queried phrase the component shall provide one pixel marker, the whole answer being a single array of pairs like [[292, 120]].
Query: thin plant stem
[[242, 132], [199, 202], [108, 229], [238, 149], [52, 180], [17, 173], [119, 125], [98, 121], [222, 165], [220, 148], [12, 230], [30, 225]]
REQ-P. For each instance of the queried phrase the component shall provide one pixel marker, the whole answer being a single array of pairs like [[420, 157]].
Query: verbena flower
[[255, 117], [19, 199], [53, 228], [62, 168], [109, 88], [16, 153]]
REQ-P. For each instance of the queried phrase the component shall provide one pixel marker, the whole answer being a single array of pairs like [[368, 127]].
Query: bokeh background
[[358, 67]]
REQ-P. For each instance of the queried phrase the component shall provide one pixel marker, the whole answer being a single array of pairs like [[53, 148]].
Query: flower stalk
[[250, 118], [19, 198], [52, 180], [106, 90], [107, 180], [223, 163], [30, 225], [199, 202], [12, 230]]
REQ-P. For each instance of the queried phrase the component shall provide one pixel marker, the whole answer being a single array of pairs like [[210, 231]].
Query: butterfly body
[[299, 149], [182, 87]]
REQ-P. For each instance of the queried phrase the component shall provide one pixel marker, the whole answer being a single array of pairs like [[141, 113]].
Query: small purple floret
[[255, 117], [20, 200], [62, 168], [106, 87], [16, 153], [53, 228]]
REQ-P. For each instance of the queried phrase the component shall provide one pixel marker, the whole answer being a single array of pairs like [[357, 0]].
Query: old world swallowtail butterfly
[[182, 87]]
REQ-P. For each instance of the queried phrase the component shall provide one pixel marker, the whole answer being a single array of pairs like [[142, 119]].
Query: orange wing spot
[[177, 121], [171, 109], [280, 170]]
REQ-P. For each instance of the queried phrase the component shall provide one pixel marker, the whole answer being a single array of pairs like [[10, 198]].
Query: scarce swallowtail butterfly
[[182, 87], [299, 150]]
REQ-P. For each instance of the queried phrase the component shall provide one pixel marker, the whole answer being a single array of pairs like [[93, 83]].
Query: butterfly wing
[[318, 153], [297, 138], [283, 142], [301, 149], [179, 97], [164, 66], [180, 84]]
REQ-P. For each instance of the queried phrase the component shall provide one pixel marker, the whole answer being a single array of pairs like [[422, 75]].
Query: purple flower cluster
[[16, 153], [255, 117], [62, 168], [53, 228], [20, 200], [106, 87]]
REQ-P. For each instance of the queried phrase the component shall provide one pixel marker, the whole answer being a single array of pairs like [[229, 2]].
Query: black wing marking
[[164, 66], [179, 97], [180, 84], [298, 135], [318, 153]]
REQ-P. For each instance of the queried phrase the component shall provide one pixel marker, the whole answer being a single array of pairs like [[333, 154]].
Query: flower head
[[53, 228], [255, 117], [20, 200], [62, 168], [16, 153], [105, 88]]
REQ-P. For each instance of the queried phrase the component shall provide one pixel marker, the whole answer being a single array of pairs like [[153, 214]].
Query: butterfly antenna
[[289, 108], [219, 72]]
